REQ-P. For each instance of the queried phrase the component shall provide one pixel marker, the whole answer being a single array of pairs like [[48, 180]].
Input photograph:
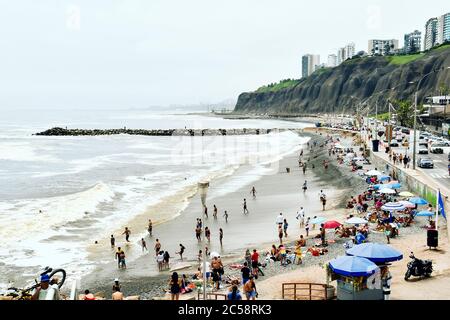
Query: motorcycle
[[418, 268]]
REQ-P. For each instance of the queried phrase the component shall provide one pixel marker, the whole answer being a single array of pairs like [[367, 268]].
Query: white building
[[310, 63], [382, 47], [431, 33], [349, 51], [332, 60], [443, 28]]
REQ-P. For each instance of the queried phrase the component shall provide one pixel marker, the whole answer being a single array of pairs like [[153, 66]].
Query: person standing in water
[[144, 245], [113, 241], [220, 236], [304, 168], [305, 186], [253, 192], [127, 234], [245, 206], [208, 234], [215, 212], [182, 248], [157, 246], [226, 216], [206, 212], [150, 227], [198, 233]]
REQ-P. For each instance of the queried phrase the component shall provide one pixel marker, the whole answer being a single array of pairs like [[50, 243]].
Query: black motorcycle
[[418, 268]]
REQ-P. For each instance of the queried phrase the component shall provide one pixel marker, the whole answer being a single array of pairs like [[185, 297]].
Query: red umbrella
[[331, 225]]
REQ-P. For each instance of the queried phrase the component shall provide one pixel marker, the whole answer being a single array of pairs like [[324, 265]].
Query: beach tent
[[356, 220], [393, 206], [375, 252], [387, 191], [417, 200], [318, 220], [425, 214], [351, 266], [373, 173], [406, 194]]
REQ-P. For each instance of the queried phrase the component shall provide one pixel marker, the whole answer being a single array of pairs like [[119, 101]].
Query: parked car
[[437, 148], [425, 163], [423, 150]]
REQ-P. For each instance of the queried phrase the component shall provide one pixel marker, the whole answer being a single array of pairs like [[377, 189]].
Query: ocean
[[59, 194]]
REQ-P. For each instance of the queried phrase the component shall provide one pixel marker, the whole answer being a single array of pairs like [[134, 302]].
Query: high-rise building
[[310, 63], [332, 60], [382, 47], [443, 28], [341, 56], [413, 42], [431, 33], [349, 51]]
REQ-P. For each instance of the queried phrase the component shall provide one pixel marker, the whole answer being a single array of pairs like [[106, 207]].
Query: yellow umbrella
[[406, 194]]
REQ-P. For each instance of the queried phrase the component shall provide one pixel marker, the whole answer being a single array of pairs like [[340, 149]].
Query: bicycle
[[26, 294]]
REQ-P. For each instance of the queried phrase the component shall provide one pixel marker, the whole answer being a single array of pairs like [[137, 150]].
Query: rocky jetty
[[154, 132]]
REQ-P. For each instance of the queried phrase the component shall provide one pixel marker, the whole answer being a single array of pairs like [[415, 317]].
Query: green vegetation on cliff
[[399, 60], [283, 84]]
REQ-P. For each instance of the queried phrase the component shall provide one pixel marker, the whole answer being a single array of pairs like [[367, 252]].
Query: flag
[[441, 209]]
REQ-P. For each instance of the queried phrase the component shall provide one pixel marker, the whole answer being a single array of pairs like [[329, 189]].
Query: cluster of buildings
[[437, 32]]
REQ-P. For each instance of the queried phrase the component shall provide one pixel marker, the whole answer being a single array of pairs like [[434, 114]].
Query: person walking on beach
[[226, 216], [245, 270], [117, 256], [250, 289], [220, 236], [280, 233], [304, 168], [127, 234], [245, 206], [208, 234], [144, 245], [301, 217], [279, 220], [113, 241], [198, 233], [182, 248], [307, 226], [305, 186], [160, 260], [215, 212], [253, 192], [206, 212], [255, 260], [285, 226], [157, 246], [150, 227], [323, 199]]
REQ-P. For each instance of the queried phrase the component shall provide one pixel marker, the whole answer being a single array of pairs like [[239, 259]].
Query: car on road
[[437, 148], [423, 150], [425, 163]]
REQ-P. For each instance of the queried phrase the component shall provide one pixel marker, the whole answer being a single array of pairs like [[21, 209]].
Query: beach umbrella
[[358, 159], [384, 178], [356, 220], [331, 225], [394, 185], [214, 254], [425, 214], [417, 200], [406, 194], [393, 206], [318, 220], [375, 252], [407, 204], [387, 191], [373, 173], [352, 266]]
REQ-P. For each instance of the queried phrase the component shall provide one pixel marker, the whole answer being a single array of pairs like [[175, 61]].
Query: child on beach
[[280, 234]]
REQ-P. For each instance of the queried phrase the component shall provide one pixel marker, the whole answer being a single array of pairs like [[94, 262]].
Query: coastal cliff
[[341, 89]]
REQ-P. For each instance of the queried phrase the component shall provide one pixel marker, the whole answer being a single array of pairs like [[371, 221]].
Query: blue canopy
[[394, 185], [318, 220], [375, 252], [384, 178], [417, 200], [425, 214], [351, 266]]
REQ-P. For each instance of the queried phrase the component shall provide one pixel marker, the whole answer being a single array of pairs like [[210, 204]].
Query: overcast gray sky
[[138, 53]]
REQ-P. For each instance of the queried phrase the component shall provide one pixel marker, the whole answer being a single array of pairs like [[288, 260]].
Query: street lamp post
[[203, 187]]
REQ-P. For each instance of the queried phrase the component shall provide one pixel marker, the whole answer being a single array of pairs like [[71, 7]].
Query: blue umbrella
[[417, 200], [353, 266], [395, 185], [375, 252], [393, 206], [425, 214], [384, 178]]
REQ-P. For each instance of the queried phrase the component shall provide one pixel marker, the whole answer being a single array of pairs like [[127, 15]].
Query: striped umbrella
[[393, 206], [407, 204]]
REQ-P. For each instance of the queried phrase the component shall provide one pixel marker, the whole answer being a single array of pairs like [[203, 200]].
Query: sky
[[143, 53]]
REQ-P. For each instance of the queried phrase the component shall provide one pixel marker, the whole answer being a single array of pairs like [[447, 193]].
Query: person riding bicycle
[[41, 292]]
